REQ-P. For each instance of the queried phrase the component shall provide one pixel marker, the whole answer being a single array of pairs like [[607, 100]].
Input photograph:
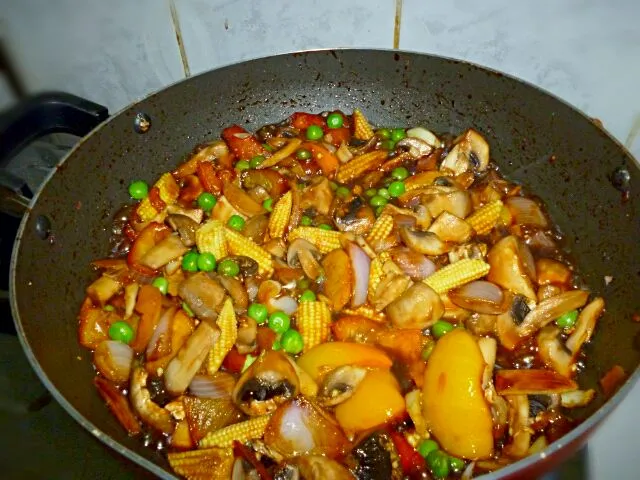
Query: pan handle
[[52, 112], [32, 118]]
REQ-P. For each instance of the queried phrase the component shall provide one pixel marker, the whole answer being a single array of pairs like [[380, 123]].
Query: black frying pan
[[537, 139]]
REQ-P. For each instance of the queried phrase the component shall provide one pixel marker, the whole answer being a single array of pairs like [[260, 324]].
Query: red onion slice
[[287, 304], [161, 330], [479, 296], [361, 263], [219, 385], [113, 360], [526, 211]]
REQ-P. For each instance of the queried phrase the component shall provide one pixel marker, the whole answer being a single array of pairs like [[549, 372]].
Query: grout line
[[176, 28], [397, 25], [633, 133]]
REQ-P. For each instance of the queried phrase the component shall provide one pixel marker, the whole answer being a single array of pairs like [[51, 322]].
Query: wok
[[537, 139]]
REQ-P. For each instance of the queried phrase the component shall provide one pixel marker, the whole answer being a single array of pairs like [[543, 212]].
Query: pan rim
[[573, 436]]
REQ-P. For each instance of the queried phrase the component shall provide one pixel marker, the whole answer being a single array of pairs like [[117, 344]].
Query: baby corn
[[314, 323], [361, 128], [228, 326], [279, 218], [238, 244], [359, 165], [243, 431], [457, 274], [485, 218], [324, 240], [210, 239]]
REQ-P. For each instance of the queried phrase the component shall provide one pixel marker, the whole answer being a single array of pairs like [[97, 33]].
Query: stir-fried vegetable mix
[[327, 300]]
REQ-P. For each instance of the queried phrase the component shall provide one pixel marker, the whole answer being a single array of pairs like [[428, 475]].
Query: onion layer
[[361, 263]]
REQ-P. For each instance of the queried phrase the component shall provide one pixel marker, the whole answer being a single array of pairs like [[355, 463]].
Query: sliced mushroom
[[450, 228], [246, 341], [508, 267], [417, 147], [163, 252], [151, 413], [270, 381], [425, 135], [184, 366], [357, 217], [235, 289], [241, 200], [255, 228], [248, 266], [470, 152], [532, 382], [390, 288], [519, 430], [585, 325], [418, 307], [553, 352], [195, 214], [302, 253], [469, 250], [416, 265], [550, 309], [185, 227], [427, 243], [454, 201], [317, 196], [316, 467], [203, 295], [480, 296], [339, 384]]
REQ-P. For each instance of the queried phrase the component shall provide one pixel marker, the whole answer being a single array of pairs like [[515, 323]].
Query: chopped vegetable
[[206, 262], [228, 267], [258, 312], [440, 328], [291, 342], [334, 120], [425, 447], [307, 296], [121, 332], [138, 190], [190, 262], [568, 319], [206, 201], [314, 132], [236, 222], [279, 322], [161, 284], [399, 173]]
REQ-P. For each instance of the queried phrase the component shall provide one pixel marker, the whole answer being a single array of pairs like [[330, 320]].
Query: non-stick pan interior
[[536, 139]]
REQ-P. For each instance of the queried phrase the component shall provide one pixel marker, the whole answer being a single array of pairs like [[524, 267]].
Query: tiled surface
[[226, 31], [110, 52], [585, 51]]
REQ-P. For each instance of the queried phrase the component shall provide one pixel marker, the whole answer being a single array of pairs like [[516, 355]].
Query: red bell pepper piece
[[337, 136], [412, 463], [234, 361], [328, 161], [208, 178], [243, 144], [303, 120], [118, 404]]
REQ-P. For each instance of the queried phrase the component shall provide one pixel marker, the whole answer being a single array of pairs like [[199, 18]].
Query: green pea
[[425, 447], [399, 173], [206, 201], [161, 284], [314, 132], [306, 221], [190, 262], [456, 464], [268, 204], [308, 296], [121, 332], [292, 342], [187, 308], [256, 161], [108, 308], [303, 283], [258, 312], [441, 328], [371, 192], [335, 120], [325, 226], [384, 133], [427, 349], [248, 361], [438, 463], [138, 190], [568, 319], [379, 210], [398, 134], [303, 154], [396, 188], [343, 192], [279, 322], [333, 185], [228, 267], [236, 222], [276, 345], [388, 144], [378, 201], [383, 192], [206, 262], [267, 147], [242, 165]]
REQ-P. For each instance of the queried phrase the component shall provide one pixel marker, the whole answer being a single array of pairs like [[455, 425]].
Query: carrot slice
[[118, 405], [328, 161], [303, 120], [207, 175], [243, 144], [149, 306]]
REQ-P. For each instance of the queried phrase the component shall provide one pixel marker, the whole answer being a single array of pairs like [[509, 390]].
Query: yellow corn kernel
[[360, 164], [361, 128], [505, 216], [366, 311], [423, 179], [457, 274], [210, 463], [242, 432], [279, 218], [324, 240], [210, 239], [485, 218], [314, 323], [238, 244], [380, 230], [375, 273], [228, 326], [168, 191]]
